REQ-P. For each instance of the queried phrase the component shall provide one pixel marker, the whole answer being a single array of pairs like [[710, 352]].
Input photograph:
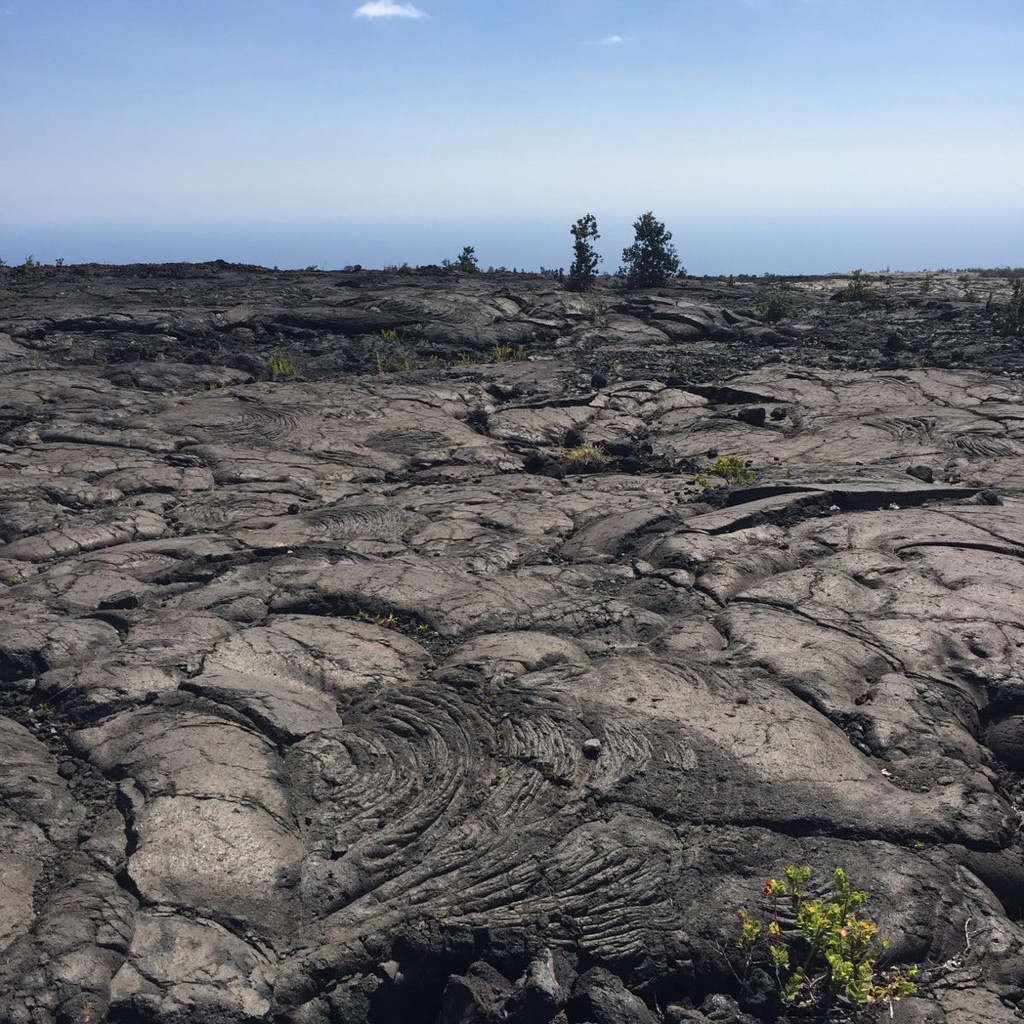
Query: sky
[[769, 135]]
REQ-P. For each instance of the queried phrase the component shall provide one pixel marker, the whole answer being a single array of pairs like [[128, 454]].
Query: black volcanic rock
[[363, 697]]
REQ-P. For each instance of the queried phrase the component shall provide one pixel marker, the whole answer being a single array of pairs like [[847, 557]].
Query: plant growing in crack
[[281, 365], [821, 953], [507, 353], [731, 468], [585, 455]]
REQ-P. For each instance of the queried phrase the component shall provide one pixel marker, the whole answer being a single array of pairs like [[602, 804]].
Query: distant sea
[[706, 244]]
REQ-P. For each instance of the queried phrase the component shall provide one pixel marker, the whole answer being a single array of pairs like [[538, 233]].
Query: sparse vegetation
[[859, 287], [393, 621], [507, 353], [586, 455], [776, 307], [392, 362], [1011, 317], [389, 621], [821, 954], [730, 468], [969, 294], [466, 261], [281, 365], [652, 257], [583, 269]]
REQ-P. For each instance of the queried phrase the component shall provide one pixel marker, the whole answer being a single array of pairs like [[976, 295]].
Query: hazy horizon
[[708, 245], [780, 135]]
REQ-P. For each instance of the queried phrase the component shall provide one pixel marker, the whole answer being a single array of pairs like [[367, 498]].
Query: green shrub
[[859, 288], [776, 306], [281, 365], [585, 259], [821, 953], [652, 257], [733, 469]]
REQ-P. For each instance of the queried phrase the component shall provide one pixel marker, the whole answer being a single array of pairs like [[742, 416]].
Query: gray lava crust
[[371, 697]]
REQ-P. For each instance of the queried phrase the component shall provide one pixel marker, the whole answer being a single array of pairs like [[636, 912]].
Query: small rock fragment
[[755, 417], [592, 748], [924, 473]]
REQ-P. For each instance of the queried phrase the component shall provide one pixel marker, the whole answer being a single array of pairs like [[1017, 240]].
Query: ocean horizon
[[707, 245]]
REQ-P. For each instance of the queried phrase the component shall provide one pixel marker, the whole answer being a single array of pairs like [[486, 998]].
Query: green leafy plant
[[281, 365], [821, 953], [927, 283], [776, 307], [585, 259], [586, 455], [652, 257], [733, 469], [859, 287]]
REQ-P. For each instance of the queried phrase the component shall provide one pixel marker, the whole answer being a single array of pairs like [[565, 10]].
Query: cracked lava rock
[[359, 696]]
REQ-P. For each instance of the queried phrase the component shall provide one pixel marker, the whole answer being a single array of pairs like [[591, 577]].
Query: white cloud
[[387, 9], [606, 41]]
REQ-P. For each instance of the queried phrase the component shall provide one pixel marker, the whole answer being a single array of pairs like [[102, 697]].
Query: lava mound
[[489, 685]]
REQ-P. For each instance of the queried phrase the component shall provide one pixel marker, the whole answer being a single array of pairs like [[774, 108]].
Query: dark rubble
[[300, 680]]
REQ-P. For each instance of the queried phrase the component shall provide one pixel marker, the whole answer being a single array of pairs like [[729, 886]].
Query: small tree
[[466, 261], [1011, 319], [652, 257], [585, 259]]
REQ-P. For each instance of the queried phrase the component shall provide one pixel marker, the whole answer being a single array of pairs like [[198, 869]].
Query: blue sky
[[231, 119]]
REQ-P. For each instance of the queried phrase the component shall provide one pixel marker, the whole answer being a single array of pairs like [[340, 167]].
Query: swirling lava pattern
[[323, 705]]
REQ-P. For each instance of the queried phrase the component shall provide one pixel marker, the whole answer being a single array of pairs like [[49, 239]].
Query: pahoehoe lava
[[365, 697]]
